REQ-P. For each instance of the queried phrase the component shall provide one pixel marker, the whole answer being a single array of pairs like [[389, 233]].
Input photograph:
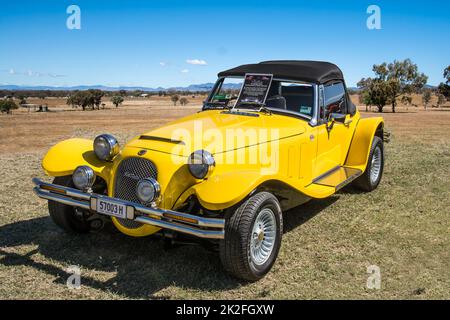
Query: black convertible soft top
[[307, 71]]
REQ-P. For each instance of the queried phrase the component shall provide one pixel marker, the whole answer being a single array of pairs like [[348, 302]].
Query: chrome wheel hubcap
[[263, 236], [375, 166]]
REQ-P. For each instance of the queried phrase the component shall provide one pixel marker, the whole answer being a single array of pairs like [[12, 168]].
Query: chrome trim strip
[[315, 117], [60, 198], [84, 200], [210, 234], [69, 191]]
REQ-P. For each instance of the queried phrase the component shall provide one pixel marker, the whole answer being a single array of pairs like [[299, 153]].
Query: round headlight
[[201, 164], [106, 147], [148, 190], [83, 177]]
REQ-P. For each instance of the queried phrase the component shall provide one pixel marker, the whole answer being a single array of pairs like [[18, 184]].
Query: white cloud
[[184, 71], [31, 73], [198, 62], [162, 64]]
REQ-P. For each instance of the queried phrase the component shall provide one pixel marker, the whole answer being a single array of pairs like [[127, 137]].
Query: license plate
[[112, 208]]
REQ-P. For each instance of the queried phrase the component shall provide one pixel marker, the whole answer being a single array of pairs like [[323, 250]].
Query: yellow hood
[[218, 131]]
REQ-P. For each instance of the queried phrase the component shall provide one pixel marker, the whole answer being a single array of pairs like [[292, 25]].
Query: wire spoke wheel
[[263, 236], [375, 165], [253, 235]]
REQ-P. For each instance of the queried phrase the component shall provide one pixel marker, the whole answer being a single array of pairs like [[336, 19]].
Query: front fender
[[224, 190], [362, 141], [65, 156]]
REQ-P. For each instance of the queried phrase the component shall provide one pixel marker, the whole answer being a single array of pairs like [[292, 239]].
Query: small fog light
[[148, 190], [83, 177]]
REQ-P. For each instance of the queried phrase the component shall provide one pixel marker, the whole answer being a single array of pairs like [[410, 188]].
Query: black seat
[[274, 98], [299, 98], [276, 102]]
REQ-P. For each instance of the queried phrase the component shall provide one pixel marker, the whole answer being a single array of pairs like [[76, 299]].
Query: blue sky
[[148, 43]]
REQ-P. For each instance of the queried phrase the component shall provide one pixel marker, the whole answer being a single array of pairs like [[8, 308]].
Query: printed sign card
[[254, 90]]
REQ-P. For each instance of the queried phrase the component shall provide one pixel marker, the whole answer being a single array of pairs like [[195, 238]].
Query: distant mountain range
[[192, 87]]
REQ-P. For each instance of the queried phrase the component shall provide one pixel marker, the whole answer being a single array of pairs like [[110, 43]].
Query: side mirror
[[335, 117], [338, 117]]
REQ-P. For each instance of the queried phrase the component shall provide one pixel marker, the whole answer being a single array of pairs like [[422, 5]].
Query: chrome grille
[[129, 172]]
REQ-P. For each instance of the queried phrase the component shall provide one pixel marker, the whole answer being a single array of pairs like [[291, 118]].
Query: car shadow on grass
[[139, 267], [302, 214]]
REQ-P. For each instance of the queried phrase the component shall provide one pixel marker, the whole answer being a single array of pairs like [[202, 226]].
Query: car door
[[333, 139]]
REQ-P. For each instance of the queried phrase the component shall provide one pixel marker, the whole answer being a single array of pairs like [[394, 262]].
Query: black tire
[[364, 182], [235, 248], [63, 215]]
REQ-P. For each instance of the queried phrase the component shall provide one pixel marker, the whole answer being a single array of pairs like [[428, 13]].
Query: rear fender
[[362, 141]]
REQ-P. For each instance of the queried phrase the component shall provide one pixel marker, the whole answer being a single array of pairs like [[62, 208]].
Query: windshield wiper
[[215, 105], [262, 106]]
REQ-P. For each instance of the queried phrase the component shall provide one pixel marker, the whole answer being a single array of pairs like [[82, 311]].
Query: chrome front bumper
[[211, 228]]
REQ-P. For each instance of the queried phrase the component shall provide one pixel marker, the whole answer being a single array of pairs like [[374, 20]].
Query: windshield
[[287, 97], [225, 93]]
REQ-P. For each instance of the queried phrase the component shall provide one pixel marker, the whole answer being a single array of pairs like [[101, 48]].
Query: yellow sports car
[[270, 136]]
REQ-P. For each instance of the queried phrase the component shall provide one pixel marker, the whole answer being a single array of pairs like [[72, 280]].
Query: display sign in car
[[254, 90]]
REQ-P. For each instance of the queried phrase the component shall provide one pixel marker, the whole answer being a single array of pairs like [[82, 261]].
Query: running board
[[338, 177]]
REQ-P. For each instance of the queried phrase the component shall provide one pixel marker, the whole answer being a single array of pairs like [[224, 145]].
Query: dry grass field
[[403, 227]]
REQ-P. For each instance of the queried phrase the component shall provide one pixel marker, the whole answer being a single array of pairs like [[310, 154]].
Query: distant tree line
[[42, 94], [86, 99]]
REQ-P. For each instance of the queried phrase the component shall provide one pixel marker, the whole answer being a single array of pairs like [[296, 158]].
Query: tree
[[83, 99], [444, 88], [22, 99], [6, 106], [426, 97], [184, 101], [123, 93], [174, 99], [96, 96], [399, 78], [363, 98], [117, 100], [447, 74], [72, 101], [87, 99], [407, 101], [441, 99], [375, 92]]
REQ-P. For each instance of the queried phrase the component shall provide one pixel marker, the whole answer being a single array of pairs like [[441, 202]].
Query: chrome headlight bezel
[[83, 177], [153, 188], [201, 164], [106, 147]]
